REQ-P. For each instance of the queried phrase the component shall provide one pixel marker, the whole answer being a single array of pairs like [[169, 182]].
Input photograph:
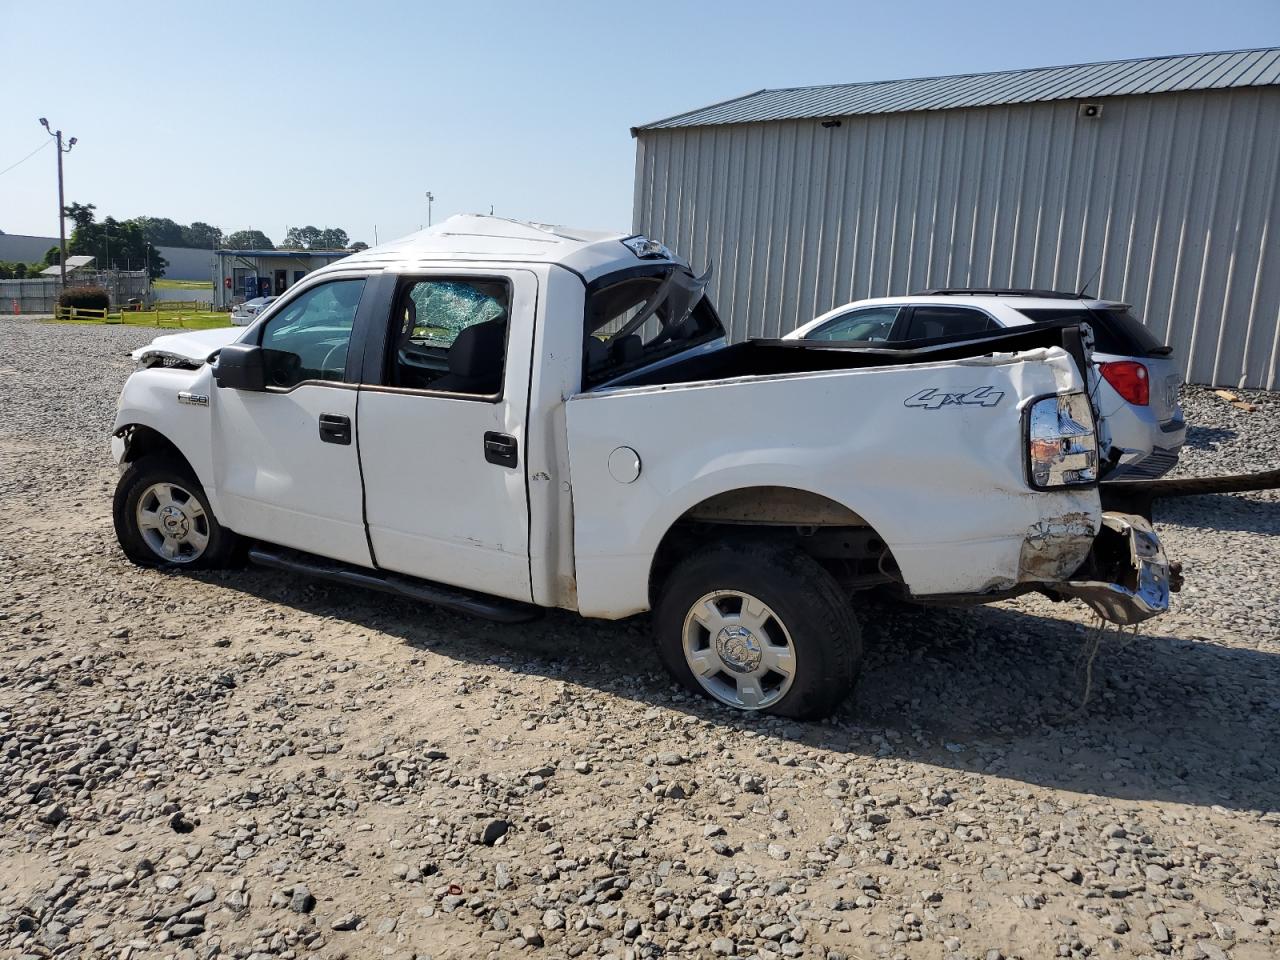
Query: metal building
[[240, 275], [1157, 175]]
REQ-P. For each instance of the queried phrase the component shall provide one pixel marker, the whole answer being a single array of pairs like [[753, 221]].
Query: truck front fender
[[163, 409]]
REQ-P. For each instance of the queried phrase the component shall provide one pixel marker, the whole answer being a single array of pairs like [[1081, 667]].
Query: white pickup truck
[[498, 416]]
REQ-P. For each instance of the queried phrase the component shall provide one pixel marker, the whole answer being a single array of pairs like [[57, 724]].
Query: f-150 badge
[[931, 399]]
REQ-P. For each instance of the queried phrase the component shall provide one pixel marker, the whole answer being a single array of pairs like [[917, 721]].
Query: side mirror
[[239, 366]]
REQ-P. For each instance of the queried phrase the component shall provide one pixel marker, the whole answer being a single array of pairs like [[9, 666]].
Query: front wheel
[[162, 518], [759, 628]]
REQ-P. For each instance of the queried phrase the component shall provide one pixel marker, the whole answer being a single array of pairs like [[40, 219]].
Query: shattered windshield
[[636, 319]]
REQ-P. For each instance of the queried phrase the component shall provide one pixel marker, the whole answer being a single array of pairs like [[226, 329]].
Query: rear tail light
[[1130, 380], [1062, 448]]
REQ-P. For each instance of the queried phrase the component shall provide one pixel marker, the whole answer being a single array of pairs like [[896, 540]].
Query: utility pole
[[430, 199], [62, 227]]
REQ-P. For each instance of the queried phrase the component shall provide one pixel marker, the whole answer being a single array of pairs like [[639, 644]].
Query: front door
[[285, 460], [442, 431]]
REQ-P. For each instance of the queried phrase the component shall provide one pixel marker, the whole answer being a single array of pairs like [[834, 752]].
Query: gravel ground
[[252, 765]]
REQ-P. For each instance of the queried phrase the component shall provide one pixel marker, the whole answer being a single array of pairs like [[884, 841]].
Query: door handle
[[501, 449], [335, 428]]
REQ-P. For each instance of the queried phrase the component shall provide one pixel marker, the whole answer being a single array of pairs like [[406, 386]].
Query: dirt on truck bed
[[248, 764]]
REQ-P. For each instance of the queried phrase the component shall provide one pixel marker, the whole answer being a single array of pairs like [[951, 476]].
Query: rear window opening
[[1115, 329], [638, 318]]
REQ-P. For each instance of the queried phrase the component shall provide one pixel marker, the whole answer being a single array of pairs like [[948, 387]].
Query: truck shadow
[[990, 690], [1208, 438], [1249, 513]]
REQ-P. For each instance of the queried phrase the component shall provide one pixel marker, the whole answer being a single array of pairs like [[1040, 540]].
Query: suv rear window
[[1115, 331]]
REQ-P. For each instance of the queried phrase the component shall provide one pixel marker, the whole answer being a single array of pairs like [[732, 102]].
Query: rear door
[[442, 417]]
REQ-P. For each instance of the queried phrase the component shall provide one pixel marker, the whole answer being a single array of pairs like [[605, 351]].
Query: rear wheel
[[162, 518], [759, 628]]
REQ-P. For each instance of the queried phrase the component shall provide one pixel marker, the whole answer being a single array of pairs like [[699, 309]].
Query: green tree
[[52, 257], [161, 231], [314, 238], [249, 240], [80, 214], [332, 238], [301, 238], [358, 246], [203, 235], [112, 243]]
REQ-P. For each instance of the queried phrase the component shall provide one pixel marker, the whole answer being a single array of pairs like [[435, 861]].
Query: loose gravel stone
[[185, 757]]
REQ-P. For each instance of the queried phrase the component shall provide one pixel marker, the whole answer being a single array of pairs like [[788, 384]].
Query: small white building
[[240, 275]]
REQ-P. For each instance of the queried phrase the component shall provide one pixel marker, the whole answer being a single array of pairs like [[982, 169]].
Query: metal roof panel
[[1196, 71]]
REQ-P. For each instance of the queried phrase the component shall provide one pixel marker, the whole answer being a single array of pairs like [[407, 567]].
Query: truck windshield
[[637, 318]]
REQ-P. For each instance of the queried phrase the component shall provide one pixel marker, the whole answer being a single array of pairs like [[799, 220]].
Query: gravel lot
[[252, 765]]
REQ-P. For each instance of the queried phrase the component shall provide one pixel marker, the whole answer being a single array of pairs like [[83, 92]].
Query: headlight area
[[1061, 441]]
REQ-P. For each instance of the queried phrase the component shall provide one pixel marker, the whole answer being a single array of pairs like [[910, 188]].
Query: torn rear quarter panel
[[1055, 547]]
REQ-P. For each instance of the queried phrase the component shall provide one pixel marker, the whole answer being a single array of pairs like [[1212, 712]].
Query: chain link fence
[[41, 295]]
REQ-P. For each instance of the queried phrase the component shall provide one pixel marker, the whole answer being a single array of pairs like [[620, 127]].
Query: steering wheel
[[325, 366]]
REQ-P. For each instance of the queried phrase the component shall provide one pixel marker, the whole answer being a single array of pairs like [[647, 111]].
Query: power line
[[26, 158]]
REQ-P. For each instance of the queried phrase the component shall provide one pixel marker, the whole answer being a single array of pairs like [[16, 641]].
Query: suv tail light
[[1130, 380], [1062, 448]]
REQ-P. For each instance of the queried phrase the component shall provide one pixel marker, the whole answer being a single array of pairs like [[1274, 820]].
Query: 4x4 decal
[[931, 399]]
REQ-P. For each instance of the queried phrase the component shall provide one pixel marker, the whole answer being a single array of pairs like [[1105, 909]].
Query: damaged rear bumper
[[1126, 578]]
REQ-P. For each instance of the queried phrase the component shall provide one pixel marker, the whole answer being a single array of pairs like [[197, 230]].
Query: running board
[[451, 598]]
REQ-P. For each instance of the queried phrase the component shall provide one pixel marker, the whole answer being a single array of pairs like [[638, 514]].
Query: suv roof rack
[[997, 292]]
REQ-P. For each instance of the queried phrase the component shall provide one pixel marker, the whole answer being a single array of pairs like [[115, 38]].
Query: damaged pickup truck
[[497, 417]]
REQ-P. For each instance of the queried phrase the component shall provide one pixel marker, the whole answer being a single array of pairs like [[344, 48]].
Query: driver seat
[[476, 359]]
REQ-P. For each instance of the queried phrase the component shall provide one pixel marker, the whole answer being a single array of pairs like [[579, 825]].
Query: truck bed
[[779, 357]]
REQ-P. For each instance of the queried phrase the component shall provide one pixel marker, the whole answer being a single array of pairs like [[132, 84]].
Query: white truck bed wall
[[946, 517]]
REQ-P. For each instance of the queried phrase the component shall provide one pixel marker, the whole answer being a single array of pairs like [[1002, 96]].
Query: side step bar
[[1136, 496], [436, 594]]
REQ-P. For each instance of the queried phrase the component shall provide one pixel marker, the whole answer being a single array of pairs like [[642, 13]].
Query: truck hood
[[191, 348]]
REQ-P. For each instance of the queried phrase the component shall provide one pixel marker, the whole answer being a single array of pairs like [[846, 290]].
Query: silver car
[[1139, 378], [245, 313]]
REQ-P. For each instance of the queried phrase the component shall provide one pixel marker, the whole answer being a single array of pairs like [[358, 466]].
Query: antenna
[[1080, 295]]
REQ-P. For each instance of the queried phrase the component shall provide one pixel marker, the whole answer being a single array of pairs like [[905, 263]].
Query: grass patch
[[163, 284], [203, 320]]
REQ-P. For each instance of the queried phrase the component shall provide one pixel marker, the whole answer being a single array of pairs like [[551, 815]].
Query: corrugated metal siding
[[1198, 71], [1173, 197]]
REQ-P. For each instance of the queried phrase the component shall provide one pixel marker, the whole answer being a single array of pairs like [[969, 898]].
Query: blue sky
[[274, 114]]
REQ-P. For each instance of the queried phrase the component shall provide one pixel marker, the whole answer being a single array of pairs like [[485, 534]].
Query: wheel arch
[[140, 440], [758, 512]]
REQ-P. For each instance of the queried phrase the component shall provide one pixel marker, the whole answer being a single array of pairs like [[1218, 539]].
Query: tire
[[180, 514], [762, 602]]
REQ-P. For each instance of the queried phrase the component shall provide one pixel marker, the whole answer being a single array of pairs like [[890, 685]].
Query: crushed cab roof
[[479, 238]]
